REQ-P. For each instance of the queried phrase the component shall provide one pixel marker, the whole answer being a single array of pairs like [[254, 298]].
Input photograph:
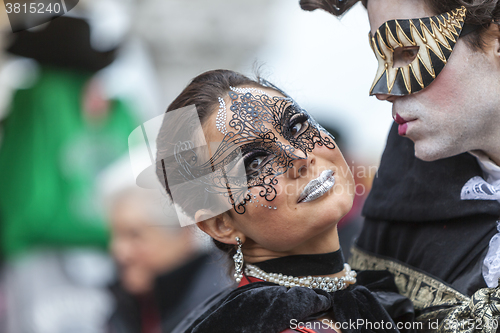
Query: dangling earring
[[238, 262]]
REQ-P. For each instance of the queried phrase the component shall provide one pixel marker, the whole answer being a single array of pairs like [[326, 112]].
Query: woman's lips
[[317, 187]]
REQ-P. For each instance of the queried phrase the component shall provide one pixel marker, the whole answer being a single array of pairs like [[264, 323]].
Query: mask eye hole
[[404, 56]]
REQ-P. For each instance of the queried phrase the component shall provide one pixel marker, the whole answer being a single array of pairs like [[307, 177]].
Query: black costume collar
[[399, 195], [305, 264], [274, 306]]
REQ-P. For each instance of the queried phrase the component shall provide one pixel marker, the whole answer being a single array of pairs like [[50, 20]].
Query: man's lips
[[403, 124], [400, 120], [402, 129]]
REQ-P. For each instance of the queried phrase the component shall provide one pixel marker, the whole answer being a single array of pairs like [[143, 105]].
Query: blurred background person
[[164, 271], [58, 134]]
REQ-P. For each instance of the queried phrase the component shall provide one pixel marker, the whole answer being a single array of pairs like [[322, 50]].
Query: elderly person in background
[[164, 270]]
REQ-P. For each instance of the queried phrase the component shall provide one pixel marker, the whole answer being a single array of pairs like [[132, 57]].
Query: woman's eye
[[255, 164], [299, 124], [296, 129]]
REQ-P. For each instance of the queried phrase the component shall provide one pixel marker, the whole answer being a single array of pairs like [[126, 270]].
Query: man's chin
[[430, 153]]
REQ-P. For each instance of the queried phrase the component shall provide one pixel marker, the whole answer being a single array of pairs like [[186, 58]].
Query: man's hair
[[479, 12]]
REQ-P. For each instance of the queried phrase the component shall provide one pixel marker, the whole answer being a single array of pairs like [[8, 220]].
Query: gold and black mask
[[412, 52]]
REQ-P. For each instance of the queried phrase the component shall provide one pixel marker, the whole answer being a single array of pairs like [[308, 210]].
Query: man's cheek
[[443, 92]]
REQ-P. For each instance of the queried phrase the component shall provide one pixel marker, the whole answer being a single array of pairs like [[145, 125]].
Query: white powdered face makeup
[[459, 110]]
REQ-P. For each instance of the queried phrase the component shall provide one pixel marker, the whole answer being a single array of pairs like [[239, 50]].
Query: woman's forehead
[[256, 92], [245, 106]]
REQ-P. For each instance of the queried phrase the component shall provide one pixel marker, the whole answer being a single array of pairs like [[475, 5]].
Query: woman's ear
[[218, 227]]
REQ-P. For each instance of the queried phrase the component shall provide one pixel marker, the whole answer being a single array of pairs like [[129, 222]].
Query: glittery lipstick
[[317, 187]]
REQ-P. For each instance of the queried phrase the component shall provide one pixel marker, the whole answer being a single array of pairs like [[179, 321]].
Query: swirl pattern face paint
[[412, 52], [271, 132]]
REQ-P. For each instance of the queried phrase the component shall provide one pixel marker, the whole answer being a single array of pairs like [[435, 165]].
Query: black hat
[[65, 42]]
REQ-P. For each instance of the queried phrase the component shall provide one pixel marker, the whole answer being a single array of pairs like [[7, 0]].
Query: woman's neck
[[310, 260], [325, 242]]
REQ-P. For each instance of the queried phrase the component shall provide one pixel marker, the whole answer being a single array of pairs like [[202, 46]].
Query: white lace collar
[[491, 169]]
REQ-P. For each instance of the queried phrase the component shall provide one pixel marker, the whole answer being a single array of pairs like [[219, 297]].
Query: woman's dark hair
[[479, 12], [203, 92]]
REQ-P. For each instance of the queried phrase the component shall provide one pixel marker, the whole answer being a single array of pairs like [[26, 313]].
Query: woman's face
[[284, 151]]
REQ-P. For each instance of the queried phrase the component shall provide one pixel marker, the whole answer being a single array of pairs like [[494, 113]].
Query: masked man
[[431, 216]]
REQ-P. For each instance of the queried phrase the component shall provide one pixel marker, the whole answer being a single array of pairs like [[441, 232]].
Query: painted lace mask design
[[264, 135], [271, 133], [411, 53]]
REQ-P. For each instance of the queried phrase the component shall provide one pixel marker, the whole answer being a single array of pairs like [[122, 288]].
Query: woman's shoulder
[[259, 307], [203, 310]]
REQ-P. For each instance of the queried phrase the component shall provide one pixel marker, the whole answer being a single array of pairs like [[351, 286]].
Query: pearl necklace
[[326, 283]]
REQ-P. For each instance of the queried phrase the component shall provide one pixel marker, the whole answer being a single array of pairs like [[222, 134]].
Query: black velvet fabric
[[451, 250], [267, 307], [383, 287], [414, 214], [305, 264]]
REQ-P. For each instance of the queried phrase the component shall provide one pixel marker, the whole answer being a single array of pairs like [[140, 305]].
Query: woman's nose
[[300, 166]]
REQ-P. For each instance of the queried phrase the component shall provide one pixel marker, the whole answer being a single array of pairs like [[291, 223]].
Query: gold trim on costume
[[462, 314], [421, 289]]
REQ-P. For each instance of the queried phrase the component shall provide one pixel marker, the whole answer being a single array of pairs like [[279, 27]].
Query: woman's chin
[[336, 206]]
